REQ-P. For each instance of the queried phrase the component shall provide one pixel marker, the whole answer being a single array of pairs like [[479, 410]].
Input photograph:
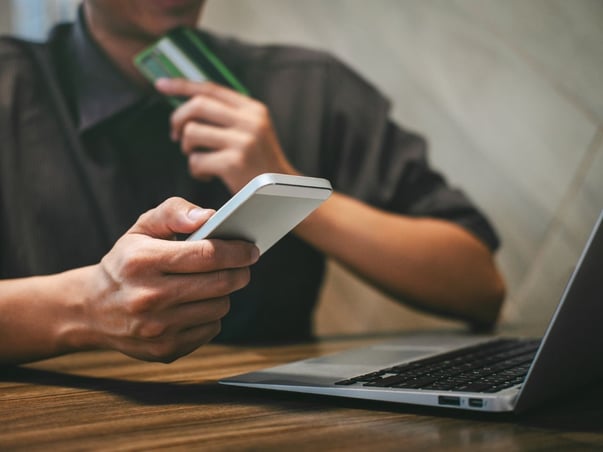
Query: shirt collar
[[101, 90]]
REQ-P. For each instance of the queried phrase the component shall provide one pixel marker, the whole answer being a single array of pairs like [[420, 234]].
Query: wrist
[[82, 288]]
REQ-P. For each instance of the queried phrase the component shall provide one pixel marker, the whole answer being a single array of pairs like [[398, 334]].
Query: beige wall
[[5, 16], [510, 95]]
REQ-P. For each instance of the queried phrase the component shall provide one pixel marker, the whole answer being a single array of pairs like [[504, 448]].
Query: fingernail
[[198, 213]]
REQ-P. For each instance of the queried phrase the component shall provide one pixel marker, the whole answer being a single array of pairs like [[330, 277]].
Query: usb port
[[476, 403], [449, 400]]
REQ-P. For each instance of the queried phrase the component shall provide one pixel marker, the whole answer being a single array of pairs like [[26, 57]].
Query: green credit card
[[182, 54]]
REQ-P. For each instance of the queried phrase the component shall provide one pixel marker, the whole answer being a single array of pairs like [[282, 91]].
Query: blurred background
[[508, 93]]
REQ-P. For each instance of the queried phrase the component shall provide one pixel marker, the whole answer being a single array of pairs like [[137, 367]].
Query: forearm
[[434, 264], [43, 316]]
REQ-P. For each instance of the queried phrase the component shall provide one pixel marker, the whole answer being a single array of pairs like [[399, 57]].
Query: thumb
[[173, 216]]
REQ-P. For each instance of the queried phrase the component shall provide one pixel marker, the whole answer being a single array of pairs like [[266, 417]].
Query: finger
[[168, 348], [189, 88], [221, 163], [225, 94], [201, 256], [173, 216], [181, 317], [187, 288], [191, 339], [198, 313], [201, 109], [197, 136], [195, 313]]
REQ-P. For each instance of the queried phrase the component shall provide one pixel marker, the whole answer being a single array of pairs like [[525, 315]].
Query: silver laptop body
[[566, 358]]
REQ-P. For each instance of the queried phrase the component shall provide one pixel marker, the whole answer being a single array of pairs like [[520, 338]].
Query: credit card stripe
[[195, 55], [190, 37], [170, 69], [181, 61]]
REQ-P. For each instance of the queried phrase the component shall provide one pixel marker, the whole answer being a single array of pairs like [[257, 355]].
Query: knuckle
[[144, 217], [197, 169], [228, 281], [207, 87], [151, 329], [134, 327], [247, 140], [171, 201], [261, 117], [197, 103], [170, 204], [142, 301], [193, 166], [134, 261], [222, 283], [207, 250], [188, 131], [186, 144]]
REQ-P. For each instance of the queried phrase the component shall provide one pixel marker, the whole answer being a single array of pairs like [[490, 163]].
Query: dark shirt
[[84, 152]]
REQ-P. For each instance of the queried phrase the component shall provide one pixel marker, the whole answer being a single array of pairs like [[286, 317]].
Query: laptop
[[482, 373]]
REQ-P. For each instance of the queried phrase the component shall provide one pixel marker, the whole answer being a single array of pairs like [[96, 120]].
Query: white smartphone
[[266, 209]]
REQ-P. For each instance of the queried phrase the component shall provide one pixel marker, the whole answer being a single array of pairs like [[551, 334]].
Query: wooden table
[[103, 400]]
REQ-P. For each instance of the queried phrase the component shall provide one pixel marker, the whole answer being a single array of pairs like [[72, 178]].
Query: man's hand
[[160, 298], [224, 134]]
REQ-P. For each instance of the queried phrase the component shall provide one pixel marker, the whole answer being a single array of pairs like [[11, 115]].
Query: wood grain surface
[[105, 401]]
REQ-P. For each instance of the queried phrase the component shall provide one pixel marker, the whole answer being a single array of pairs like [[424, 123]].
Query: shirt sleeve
[[381, 163]]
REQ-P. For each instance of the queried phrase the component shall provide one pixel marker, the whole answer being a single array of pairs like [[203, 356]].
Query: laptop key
[[473, 387], [486, 367]]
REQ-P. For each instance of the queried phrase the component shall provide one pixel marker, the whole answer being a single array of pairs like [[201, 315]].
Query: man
[[88, 147]]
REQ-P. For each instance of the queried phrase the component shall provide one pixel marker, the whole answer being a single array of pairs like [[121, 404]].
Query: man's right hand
[[159, 299]]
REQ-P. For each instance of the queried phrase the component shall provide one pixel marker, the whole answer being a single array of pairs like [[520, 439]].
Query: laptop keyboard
[[486, 367]]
